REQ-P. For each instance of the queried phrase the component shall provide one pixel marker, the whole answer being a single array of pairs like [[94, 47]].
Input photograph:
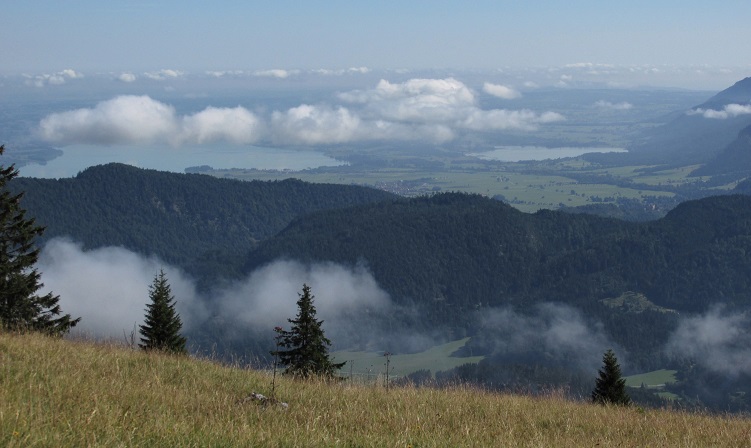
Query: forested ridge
[[198, 222], [471, 251]]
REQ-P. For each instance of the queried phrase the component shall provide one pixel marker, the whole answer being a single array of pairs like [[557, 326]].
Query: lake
[[77, 158], [520, 153]]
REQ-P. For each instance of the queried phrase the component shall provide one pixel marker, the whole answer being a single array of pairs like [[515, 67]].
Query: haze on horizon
[[692, 44]]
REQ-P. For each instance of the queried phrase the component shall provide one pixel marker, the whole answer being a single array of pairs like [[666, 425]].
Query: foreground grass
[[61, 393]]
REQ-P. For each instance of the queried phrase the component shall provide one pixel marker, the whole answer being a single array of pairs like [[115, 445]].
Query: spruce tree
[[610, 387], [307, 351], [161, 327], [21, 308]]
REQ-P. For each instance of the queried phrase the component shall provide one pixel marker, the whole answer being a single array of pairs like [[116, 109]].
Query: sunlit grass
[[62, 393]]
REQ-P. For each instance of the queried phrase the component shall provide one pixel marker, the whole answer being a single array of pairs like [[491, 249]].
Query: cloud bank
[[614, 106], [500, 91], [140, 119], [57, 78], [718, 341], [729, 111], [108, 289], [432, 110], [557, 330]]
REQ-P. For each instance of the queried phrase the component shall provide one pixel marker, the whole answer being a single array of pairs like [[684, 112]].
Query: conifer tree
[[307, 347], [161, 327], [610, 387], [21, 308]]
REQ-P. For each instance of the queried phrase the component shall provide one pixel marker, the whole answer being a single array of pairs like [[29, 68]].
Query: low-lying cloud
[[501, 91], [433, 110], [140, 119], [729, 111], [614, 106], [558, 331], [57, 78], [718, 341], [109, 289]]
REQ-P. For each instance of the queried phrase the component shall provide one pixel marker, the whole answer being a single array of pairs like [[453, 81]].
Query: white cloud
[[58, 78], [559, 331], [126, 77], [276, 73], [316, 125], [339, 72], [236, 125], [615, 106], [719, 341], [500, 91], [431, 110], [729, 111], [163, 74], [267, 298], [140, 119], [223, 73], [108, 287]]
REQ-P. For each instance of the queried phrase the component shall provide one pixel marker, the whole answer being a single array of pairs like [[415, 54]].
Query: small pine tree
[[161, 328], [20, 306], [610, 387], [307, 351]]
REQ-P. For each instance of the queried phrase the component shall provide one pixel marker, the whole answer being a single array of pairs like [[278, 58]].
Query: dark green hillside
[[456, 250], [453, 254], [198, 222], [735, 159]]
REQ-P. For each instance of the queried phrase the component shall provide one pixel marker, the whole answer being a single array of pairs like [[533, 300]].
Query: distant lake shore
[[521, 153], [77, 158]]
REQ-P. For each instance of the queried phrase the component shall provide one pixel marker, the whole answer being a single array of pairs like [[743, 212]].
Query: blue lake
[[77, 158]]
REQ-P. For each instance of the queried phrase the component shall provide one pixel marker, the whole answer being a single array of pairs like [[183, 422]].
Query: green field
[[372, 365], [654, 379]]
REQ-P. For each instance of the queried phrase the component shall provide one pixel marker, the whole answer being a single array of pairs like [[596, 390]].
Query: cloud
[[614, 106], [223, 73], [718, 341], [52, 78], [729, 111], [126, 77], [268, 297], [276, 73], [108, 287], [501, 91], [140, 119], [430, 110], [163, 74], [236, 125], [558, 331], [339, 72]]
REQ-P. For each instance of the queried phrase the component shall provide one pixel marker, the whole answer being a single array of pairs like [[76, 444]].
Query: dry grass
[[62, 393]]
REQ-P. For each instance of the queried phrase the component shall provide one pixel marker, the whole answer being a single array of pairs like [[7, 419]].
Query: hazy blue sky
[[88, 35]]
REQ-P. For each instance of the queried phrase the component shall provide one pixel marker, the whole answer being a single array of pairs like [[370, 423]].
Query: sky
[[188, 35]]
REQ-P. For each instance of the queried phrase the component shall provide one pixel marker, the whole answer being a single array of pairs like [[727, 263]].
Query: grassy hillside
[[62, 393]]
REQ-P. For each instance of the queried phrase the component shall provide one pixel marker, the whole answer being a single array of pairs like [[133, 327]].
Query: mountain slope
[[194, 221], [693, 137]]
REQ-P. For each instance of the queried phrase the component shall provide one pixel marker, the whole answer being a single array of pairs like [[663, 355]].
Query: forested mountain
[[697, 135], [453, 255], [734, 160], [469, 251], [197, 222]]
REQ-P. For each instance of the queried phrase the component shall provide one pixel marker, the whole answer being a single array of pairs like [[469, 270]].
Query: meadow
[[76, 393]]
